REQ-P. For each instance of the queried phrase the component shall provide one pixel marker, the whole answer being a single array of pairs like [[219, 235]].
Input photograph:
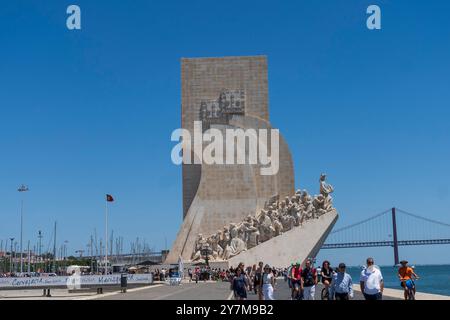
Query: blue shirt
[[341, 283]]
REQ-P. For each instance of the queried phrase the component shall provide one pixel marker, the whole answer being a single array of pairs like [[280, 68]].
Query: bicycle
[[325, 294], [410, 287]]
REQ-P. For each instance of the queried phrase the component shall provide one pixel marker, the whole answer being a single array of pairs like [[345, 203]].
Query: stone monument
[[233, 212]]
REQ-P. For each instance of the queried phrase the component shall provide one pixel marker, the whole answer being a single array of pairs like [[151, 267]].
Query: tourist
[[341, 285], [288, 277], [407, 276], [258, 280], [268, 283], [326, 273], [190, 274], [308, 281], [252, 279], [296, 282], [371, 281], [240, 285], [197, 274]]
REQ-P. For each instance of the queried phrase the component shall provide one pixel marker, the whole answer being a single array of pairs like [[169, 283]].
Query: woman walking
[[268, 283], [240, 285]]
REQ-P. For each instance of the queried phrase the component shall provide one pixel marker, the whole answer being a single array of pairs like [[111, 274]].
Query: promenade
[[209, 290], [221, 291]]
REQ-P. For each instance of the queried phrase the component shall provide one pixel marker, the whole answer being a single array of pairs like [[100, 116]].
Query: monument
[[235, 212]]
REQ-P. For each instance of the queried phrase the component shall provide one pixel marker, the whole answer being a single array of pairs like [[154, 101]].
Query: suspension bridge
[[391, 228]]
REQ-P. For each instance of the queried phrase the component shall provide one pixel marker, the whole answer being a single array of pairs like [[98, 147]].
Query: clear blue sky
[[84, 113]]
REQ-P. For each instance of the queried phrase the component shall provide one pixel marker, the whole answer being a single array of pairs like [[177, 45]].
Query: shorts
[[407, 284], [295, 284], [377, 296], [341, 296], [323, 280]]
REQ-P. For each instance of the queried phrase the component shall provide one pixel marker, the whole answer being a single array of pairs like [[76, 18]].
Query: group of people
[[338, 284], [205, 273], [259, 279], [302, 281]]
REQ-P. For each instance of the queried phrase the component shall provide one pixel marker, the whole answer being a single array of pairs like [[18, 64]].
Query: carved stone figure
[[236, 246], [325, 190], [288, 222], [200, 244], [276, 218], [278, 227], [266, 229], [213, 242]]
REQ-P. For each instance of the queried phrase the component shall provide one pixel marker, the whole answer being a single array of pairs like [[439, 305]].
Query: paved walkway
[[204, 291], [187, 291], [282, 292]]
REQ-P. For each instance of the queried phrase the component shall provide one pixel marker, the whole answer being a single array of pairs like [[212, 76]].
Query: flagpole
[[106, 236]]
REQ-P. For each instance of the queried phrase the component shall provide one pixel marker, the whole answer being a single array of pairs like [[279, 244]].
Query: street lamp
[[22, 188], [65, 252], [11, 256], [40, 248], [206, 251]]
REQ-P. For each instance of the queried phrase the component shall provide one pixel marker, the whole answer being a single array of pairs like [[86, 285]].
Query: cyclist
[[326, 274], [288, 276], [296, 279], [407, 276]]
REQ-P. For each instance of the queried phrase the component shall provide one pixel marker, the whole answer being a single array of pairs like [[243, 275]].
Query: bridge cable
[[361, 222], [423, 218]]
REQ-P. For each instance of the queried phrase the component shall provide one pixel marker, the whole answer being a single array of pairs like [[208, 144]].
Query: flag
[[109, 198]]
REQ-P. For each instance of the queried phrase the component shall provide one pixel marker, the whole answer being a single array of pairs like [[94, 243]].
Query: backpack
[[308, 276]]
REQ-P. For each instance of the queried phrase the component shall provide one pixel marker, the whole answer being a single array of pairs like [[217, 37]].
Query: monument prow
[[297, 244]]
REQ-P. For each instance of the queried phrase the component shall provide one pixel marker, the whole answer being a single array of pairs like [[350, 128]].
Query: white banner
[[73, 281]]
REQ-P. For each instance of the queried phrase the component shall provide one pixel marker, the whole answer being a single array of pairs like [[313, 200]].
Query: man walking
[[308, 281], [257, 281], [371, 281], [341, 287]]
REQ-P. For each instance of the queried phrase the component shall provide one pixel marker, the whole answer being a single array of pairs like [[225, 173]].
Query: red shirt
[[296, 273]]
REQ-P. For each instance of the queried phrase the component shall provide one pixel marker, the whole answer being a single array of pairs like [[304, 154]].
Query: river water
[[433, 278]]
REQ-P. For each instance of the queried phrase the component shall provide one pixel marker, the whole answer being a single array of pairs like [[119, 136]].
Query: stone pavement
[[204, 291], [209, 290], [282, 292], [187, 291]]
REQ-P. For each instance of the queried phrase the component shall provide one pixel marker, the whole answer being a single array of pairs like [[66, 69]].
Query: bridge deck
[[384, 243]]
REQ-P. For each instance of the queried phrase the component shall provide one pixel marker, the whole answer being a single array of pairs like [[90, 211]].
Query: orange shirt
[[405, 273]]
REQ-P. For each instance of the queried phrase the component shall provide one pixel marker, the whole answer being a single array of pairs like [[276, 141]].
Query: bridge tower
[[394, 235]]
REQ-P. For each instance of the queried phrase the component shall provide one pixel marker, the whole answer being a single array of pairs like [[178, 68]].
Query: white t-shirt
[[372, 278], [267, 278]]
